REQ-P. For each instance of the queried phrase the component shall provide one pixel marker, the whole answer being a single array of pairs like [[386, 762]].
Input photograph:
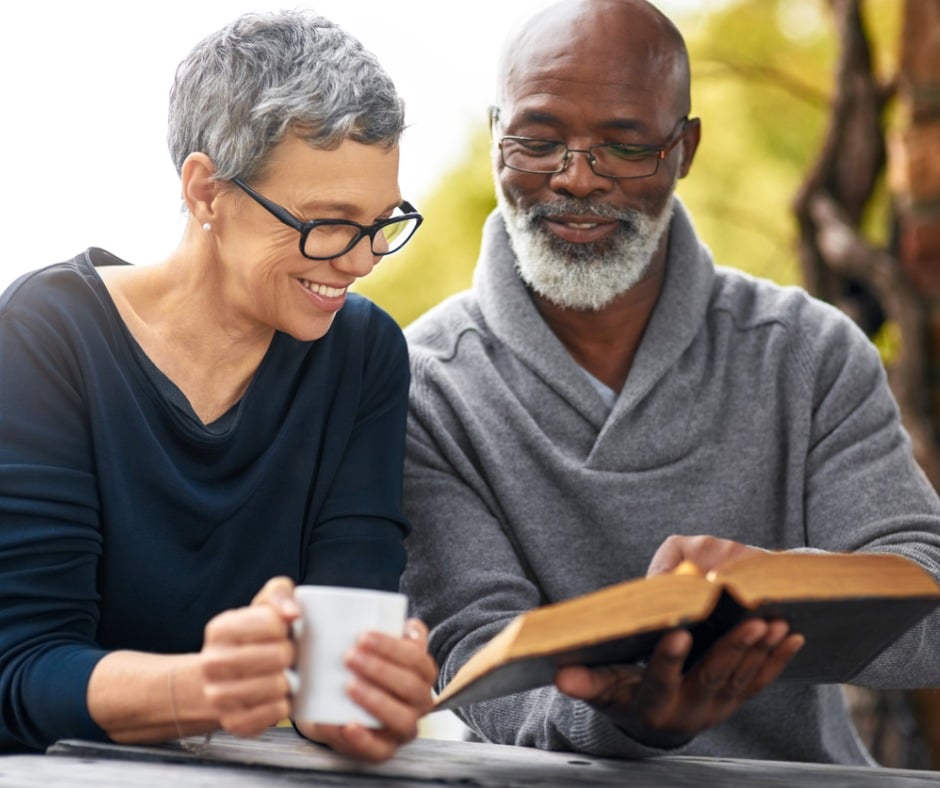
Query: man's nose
[[578, 177]]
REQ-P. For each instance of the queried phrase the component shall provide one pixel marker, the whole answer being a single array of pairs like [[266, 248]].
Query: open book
[[848, 607]]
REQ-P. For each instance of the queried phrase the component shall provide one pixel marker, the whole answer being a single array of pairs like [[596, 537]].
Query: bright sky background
[[85, 83]]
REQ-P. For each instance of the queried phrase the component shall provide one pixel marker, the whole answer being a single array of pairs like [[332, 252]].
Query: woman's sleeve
[[358, 539], [50, 541]]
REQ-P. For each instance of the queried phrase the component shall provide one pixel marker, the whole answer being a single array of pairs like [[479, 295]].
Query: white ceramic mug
[[331, 621]]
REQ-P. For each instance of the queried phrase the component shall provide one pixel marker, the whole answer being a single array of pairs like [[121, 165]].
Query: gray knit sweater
[[752, 412]]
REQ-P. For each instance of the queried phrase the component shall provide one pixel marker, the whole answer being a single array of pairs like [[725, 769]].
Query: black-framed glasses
[[324, 239], [609, 160]]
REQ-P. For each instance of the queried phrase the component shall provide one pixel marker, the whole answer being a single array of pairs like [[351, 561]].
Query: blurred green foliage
[[439, 260], [762, 74]]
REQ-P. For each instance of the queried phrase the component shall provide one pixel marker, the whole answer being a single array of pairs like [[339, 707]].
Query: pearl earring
[[207, 227]]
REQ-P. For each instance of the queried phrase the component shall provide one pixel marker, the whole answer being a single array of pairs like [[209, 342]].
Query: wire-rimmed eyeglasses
[[324, 239], [609, 160]]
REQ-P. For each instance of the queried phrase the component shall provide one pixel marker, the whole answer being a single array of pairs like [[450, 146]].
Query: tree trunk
[[900, 284], [915, 184]]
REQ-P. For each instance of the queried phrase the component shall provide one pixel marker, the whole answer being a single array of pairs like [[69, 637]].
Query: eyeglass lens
[[332, 240], [540, 156]]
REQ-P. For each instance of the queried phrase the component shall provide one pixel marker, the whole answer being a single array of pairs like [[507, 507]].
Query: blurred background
[[819, 165], [762, 80]]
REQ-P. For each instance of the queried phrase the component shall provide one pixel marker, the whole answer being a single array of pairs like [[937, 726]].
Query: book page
[[634, 606], [756, 580]]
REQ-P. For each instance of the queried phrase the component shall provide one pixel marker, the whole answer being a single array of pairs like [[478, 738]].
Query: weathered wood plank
[[280, 757]]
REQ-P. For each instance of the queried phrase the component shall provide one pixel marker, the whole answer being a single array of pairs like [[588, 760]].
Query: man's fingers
[[731, 660], [660, 690], [605, 688], [579, 682], [666, 558], [754, 660], [663, 706], [706, 552], [742, 663], [776, 662]]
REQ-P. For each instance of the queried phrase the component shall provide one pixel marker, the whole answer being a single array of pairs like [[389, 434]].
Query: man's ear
[[690, 140], [493, 118], [199, 187]]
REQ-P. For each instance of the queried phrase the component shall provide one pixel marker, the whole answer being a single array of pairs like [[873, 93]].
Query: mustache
[[581, 208], [630, 219]]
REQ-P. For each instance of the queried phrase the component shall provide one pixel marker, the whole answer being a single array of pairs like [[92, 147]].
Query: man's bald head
[[633, 32]]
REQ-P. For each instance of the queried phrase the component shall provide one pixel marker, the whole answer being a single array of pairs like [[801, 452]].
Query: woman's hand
[[393, 681], [244, 654]]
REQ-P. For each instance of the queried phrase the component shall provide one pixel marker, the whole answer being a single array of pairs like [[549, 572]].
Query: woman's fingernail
[[289, 606]]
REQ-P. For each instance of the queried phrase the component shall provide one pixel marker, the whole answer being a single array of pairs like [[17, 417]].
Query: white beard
[[584, 277]]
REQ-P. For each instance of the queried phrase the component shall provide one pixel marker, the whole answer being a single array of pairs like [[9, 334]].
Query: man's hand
[[660, 706], [706, 552]]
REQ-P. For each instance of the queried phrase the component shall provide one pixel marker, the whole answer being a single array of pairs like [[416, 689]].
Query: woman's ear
[[199, 187]]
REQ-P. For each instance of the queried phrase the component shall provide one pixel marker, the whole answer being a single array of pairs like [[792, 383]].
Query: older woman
[[181, 442]]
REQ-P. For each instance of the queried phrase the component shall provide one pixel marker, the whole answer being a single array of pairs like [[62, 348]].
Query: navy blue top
[[126, 523]]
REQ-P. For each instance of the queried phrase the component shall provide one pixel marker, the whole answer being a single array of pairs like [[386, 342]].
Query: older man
[[606, 402]]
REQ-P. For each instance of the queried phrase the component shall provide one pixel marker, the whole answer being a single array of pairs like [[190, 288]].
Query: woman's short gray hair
[[241, 89]]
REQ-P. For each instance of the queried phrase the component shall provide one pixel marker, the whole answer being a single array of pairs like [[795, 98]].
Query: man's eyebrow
[[623, 124], [539, 116]]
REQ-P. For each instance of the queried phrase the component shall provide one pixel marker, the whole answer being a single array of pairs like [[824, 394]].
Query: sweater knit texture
[[752, 412], [126, 523]]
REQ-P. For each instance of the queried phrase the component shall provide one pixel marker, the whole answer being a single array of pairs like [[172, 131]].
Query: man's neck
[[604, 342]]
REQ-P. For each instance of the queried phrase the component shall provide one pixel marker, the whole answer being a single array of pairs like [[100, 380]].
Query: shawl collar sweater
[[752, 412]]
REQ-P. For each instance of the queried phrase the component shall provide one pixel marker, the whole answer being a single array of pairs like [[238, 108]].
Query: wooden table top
[[281, 758]]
